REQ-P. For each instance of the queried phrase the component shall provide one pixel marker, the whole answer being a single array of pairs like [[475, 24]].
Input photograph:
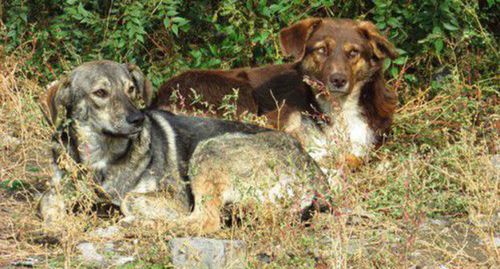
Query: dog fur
[[157, 165], [361, 112]]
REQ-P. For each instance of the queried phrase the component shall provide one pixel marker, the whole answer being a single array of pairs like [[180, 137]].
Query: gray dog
[[157, 165]]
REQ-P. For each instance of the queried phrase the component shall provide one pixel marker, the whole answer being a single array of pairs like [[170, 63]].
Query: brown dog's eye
[[320, 50], [353, 53], [101, 93]]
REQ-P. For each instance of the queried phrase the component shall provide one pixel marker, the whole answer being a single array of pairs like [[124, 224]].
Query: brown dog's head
[[100, 95], [341, 54]]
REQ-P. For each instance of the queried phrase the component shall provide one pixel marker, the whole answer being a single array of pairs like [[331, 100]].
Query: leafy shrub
[[168, 36]]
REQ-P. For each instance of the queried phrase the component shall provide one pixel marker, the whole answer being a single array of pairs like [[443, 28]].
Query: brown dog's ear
[[293, 39], [142, 84], [58, 95], [382, 48]]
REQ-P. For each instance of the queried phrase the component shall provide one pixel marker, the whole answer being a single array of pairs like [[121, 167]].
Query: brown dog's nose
[[338, 80], [135, 118]]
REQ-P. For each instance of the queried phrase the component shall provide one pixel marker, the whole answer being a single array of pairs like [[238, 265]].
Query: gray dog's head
[[101, 95]]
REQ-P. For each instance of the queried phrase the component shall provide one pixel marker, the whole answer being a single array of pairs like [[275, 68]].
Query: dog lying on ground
[[344, 94], [214, 85], [179, 169]]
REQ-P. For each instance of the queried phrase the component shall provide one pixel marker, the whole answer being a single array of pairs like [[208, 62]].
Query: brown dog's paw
[[353, 162]]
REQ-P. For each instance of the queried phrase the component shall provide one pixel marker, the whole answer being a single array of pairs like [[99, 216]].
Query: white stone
[[200, 253], [108, 232], [89, 254], [102, 255], [495, 161]]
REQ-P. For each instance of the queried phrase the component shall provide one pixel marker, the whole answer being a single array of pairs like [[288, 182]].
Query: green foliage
[[167, 36], [12, 185]]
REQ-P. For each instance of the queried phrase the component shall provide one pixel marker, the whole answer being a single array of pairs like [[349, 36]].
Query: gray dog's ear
[[142, 84], [58, 95]]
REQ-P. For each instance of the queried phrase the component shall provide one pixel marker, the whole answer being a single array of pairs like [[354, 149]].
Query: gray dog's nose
[[338, 80], [135, 118]]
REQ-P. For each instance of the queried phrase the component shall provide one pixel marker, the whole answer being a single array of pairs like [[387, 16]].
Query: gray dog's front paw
[[52, 209], [153, 206]]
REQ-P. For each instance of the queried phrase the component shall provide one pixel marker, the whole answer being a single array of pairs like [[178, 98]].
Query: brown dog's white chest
[[347, 131]]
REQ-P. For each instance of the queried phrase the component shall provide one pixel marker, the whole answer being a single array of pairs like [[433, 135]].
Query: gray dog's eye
[[101, 93], [353, 53], [131, 89]]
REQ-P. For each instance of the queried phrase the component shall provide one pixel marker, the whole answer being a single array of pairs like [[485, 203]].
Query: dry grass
[[437, 165]]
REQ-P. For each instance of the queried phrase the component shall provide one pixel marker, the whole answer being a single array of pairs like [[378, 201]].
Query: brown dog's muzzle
[[338, 83]]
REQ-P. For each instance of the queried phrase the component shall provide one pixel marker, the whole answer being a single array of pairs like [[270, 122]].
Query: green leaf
[[83, 11], [410, 78], [449, 26], [179, 20], [380, 4], [400, 60], [32, 168], [393, 22], [175, 29], [381, 25], [387, 63], [166, 23], [435, 84], [171, 13], [401, 51], [438, 45], [12, 185], [394, 71], [436, 30]]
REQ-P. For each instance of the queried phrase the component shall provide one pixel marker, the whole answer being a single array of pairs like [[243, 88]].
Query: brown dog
[[344, 94], [212, 85]]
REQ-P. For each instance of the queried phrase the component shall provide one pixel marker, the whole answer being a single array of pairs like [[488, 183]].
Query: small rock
[[28, 262], [102, 255], [121, 260], [108, 232], [352, 247], [496, 242], [89, 254], [495, 161], [109, 247], [441, 74], [198, 252], [439, 222], [10, 142], [263, 257]]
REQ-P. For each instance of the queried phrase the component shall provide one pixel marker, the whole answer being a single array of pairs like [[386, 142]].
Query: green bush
[[165, 37]]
